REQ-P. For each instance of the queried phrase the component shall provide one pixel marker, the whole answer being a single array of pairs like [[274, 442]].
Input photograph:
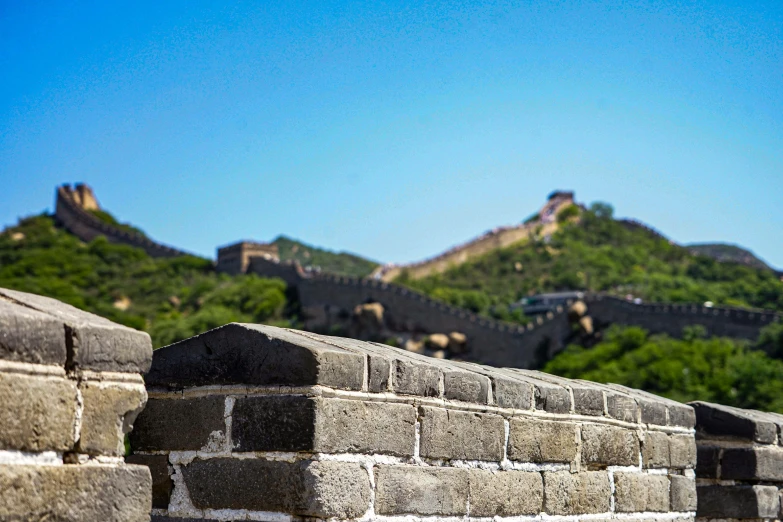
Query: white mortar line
[[77, 420], [44, 458], [180, 503], [228, 416], [23, 368]]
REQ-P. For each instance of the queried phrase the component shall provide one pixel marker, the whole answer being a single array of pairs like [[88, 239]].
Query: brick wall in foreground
[[250, 422], [740, 469], [70, 388]]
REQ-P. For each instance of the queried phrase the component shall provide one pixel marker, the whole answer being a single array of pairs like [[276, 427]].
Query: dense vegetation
[[111, 220], [333, 262], [726, 371], [598, 253], [728, 253], [170, 298]]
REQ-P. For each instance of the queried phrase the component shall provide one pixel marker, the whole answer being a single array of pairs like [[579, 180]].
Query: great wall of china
[[490, 341]]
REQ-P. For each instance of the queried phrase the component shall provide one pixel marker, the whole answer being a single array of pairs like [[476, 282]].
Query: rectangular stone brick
[[417, 490], [622, 407], [108, 414], [683, 493], [548, 397], [37, 412], [581, 493], [737, 501], [449, 434], [655, 450], [534, 440], [716, 419], [179, 424], [465, 386], [30, 336], [75, 492], [707, 461], [652, 408], [323, 489], [299, 423], [588, 398], [378, 374], [609, 446], [415, 378], [508, 391], [505, 493], [682, 449], [638, 492], [162, 484], [758, 463]]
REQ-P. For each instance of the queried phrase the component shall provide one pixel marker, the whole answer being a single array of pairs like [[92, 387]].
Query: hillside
[[341, 263], [727, 253], [171, 298]]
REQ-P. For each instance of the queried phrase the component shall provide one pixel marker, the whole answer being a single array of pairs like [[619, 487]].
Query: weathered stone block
[[622, 407], [609, 446], [465, 386], [505, 493], [683, 493], [37, 412], [508, 391], [75, 492], [179, 424], [162, 485], [655, 450], [534, 440], [588, 399], [109, 412], [682, 449], [378, 374], [323, 489], [707, 461], [716, 419], [758, 463], [637, 492], [448, 434], [548, 397], [568, 493], [27, 335], [422, 491], [255, 354], [298, 423], [415, 378], [737, 501], [96, 343]]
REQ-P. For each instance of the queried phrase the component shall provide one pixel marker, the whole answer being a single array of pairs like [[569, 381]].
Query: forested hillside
[[341, 263]]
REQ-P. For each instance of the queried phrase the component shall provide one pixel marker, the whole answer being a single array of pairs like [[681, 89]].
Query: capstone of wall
[[251, 422], [70, 212], [70, 389], [740, 463]]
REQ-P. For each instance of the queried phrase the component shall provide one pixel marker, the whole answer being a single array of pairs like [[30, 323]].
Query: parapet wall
[[69, 391], [250, 422], [87, 227]]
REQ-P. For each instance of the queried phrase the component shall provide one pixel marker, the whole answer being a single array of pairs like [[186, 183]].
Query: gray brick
[[534, 440], [323, 489], [415, 378], [588, 398], [109, 412], [505, 493], [37, 413], [568, 493], [655, 450], [273, 423], [162, 484], [27, 335], [609, 446], [638, 492], [622, 407], [716, 419], [682, 449], [178, 424], [75, 492], [448, 434], [737, 501], [548, 397], [756, 463], [681, 415], [465, 386], [255, 354], [508, 391], [683, 493], [420, 490], [652, 408], [378, 374], [707, 462], [97, 343]]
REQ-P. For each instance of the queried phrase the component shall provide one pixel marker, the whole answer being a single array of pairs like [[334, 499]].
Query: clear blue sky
[[395, 130]]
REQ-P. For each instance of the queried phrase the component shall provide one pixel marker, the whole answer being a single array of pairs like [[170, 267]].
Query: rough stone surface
[[447, 434], [757, 463], [737, 501], [415, 378], [655, 450], [97, 343], [178, 424], [568, 493], [609, 446], [162, 485], [708, 459], [109, 412], [255, 354], [505, 493], [37, 413], [683, 493], [465, 386], [421, 491], [638, 492], [622, 407], [27, 335], [273, 423], [78, 492], [682, 449], [716, 419], [322, 489], [533, 440]]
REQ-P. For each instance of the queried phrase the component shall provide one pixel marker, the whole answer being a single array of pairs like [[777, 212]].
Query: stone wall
[[86, 226], [69, 390], [250, 422], [740, 463]]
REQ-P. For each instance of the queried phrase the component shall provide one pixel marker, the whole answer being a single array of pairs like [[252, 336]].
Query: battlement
[[235, 258]]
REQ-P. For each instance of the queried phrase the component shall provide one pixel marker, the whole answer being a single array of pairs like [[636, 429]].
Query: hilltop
[[342, 263], [728, 253]]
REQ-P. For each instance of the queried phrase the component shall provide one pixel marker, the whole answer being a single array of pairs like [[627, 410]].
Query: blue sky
[[395, 130]]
